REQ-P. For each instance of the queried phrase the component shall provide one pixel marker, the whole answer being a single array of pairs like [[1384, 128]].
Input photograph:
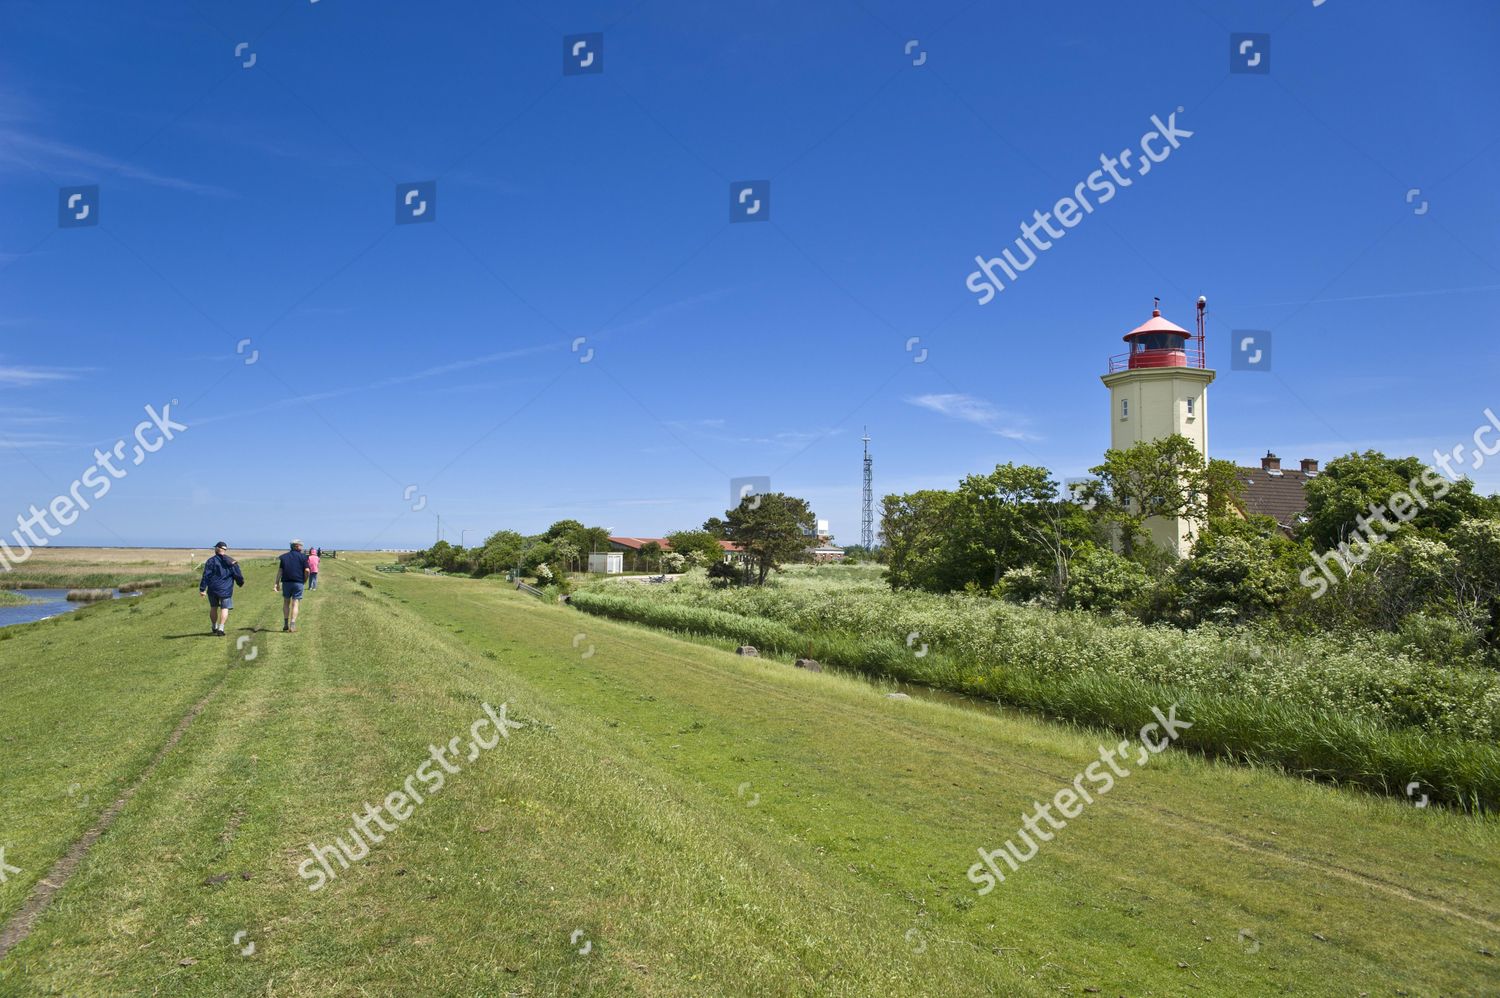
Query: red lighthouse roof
[[1156, 324]]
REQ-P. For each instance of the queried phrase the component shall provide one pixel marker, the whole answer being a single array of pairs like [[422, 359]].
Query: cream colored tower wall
[[1152, 403]]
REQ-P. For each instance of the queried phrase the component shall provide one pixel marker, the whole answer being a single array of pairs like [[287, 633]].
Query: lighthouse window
[[1124, 408], [1190, 406], [1160, 341]]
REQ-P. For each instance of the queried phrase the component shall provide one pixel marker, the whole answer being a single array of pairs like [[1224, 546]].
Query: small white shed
[[607, 562]]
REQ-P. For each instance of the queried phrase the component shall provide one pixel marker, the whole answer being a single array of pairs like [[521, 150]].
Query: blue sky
[[258, 204]]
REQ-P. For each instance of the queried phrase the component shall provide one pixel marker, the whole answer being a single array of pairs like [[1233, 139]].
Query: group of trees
[[770, 529], [563, 547], [1014, 534]]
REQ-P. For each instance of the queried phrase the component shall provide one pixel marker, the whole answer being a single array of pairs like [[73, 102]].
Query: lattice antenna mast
[[867, 513]]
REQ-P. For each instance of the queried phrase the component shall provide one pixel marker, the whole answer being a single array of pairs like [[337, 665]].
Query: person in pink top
[[312, 569]]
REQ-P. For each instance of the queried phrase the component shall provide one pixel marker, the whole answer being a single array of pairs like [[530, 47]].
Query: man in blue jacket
[[221, 574], [291, 577]]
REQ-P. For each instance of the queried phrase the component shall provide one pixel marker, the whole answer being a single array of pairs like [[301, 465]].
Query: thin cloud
[[968, 409], [662, 311], [431, 372], [25, 149], [710, 429], [30, 441], [27, 429], [23, 377]]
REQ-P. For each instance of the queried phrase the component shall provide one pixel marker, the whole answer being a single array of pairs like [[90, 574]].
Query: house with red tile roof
[[1278, 493]]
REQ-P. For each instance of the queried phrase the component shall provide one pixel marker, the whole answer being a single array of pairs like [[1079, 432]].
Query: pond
[[44, 603]]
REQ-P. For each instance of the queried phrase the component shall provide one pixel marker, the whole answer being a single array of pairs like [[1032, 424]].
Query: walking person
[[221, 574], [291, 577], [312, 568]]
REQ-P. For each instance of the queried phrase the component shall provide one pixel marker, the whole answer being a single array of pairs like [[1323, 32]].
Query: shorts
[[220, 602], [291, 590]]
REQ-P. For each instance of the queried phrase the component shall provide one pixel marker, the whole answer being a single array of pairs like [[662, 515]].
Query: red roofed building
[[1281, 495], [631, 546]]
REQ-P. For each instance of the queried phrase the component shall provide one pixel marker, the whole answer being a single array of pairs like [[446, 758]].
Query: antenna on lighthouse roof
[[1202, 345]]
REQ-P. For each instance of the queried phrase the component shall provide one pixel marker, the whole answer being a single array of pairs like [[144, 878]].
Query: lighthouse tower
[[1158, 388]]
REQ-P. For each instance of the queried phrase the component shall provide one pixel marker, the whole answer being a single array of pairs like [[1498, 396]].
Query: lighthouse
[[1157, 388]]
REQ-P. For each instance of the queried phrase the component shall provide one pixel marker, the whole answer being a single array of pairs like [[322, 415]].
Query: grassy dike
[[705, 824], [1285, 731]]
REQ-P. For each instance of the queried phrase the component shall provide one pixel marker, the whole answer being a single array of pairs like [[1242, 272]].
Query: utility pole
[[867, 514], [439, 526]]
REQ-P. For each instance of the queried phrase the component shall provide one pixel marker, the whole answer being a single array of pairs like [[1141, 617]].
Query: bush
[[1441, 639], [1240, 571], [722, 574], [1105, 582], [1027, 584]]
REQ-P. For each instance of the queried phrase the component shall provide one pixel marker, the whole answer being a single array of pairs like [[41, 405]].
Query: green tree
[[1062, 531], [700, 543], [1351, 486], [563, 529], [1000, 515], [1476, 541], [440, 555], [566, 553], [1155, 478], [537, 552], [593, 539], [778, 529], [650, 554], [501, 551], [921, 549], [1226, 491]]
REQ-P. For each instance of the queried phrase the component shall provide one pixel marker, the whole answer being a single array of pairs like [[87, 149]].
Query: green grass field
[[671, 820]]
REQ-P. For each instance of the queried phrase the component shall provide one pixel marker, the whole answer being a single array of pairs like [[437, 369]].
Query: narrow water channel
[[43, 603]]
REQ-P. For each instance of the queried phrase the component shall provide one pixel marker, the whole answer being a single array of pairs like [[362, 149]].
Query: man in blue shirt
[[291, 576], [221, 574]]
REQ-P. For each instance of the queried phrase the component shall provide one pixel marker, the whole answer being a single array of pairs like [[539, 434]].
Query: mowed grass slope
[[704, 824]]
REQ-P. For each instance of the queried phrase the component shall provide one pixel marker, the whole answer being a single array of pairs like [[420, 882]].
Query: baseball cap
[[220, 546]]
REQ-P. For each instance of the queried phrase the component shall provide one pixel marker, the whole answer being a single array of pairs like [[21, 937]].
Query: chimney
[[1309, 466], [1270, 462]]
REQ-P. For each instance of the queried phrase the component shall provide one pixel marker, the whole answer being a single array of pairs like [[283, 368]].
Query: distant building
[[631, 547], [606, 563], [1281, 495]]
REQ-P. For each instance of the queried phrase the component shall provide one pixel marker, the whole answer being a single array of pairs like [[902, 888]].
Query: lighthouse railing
[[1158, 358]]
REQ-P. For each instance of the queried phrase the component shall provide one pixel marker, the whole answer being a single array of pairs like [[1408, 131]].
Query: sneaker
[[285, 626], [294, 625]]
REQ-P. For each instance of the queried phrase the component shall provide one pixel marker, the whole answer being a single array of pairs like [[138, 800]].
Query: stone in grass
[[810, 664], [748, 650], [897, 696]]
